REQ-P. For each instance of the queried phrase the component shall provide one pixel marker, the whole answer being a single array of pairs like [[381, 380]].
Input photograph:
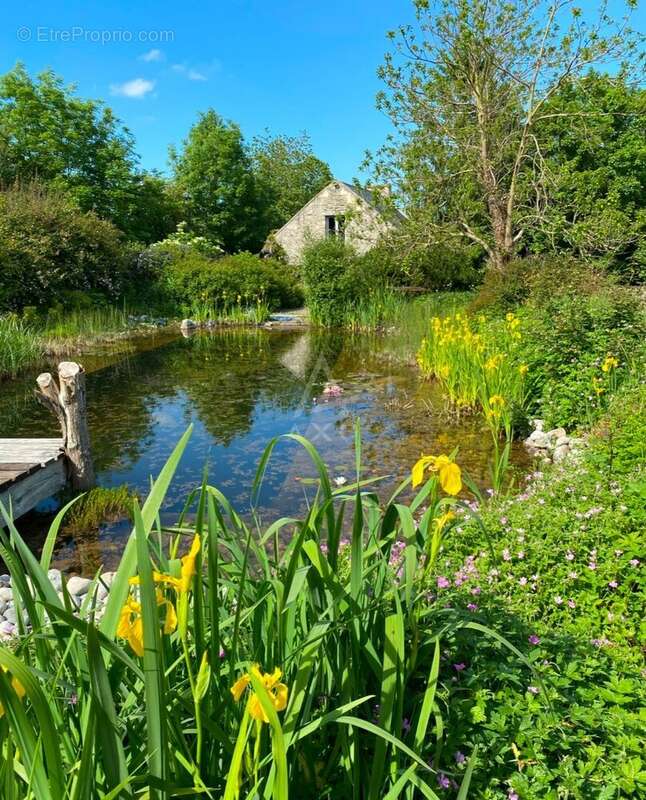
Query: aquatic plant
[[97, 506], [479, 367], [19, 345], [477, 362], [235, 661]]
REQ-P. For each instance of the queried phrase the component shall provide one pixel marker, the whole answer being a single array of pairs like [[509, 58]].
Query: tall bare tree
[[468, 86]]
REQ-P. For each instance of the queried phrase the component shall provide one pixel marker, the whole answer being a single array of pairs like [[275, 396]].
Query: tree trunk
[[67, 401], [502, 249]]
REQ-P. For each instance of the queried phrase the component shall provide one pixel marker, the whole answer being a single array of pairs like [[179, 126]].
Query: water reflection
[[240, 388]]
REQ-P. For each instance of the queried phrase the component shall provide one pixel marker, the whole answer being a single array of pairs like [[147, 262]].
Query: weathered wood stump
[[66, 400]]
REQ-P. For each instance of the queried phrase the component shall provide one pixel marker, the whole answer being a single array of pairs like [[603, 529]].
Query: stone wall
[[363, 228]]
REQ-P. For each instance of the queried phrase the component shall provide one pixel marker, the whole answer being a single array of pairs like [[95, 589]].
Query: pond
[[240, 388]]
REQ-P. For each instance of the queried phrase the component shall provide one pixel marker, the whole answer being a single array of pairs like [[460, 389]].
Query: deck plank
[[27, 492], [30, 451], [30, 471]]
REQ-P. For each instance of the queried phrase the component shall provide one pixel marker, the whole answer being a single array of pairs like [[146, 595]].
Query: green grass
[[235, 314], [82, 324]]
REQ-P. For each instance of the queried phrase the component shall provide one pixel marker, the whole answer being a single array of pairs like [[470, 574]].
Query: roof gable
[[361, 194]]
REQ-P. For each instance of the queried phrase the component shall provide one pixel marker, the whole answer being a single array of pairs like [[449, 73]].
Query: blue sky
[[285, 65]]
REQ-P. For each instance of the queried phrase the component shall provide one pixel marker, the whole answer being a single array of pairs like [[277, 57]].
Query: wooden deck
[[30, 471]]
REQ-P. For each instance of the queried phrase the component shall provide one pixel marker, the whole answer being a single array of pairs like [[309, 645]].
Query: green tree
[[288, 173], [214, 174], [467, 89], [75, 145], [156, 208], [597, 173]]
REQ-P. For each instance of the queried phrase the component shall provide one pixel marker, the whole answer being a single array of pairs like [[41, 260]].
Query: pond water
[[240, 388]]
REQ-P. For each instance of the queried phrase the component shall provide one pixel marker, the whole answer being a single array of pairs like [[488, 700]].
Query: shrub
[[242, 280], [441, 267], [568, 336], [503, 290], [49, 248], [335, 279]]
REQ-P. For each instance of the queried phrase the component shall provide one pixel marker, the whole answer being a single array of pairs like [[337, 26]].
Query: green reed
[[19, 346]]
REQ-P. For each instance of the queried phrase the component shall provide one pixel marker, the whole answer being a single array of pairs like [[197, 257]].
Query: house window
[[335, 226]]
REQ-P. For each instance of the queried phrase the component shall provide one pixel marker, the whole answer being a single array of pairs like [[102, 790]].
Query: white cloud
[[194, 75], [189, 72], [137, 88], [152, 55]]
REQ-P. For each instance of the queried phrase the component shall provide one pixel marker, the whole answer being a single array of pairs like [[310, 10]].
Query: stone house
[[339, 209]]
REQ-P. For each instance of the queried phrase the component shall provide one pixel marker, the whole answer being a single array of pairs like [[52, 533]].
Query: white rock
[[74, 599], [10, 615], [557, 433], [5, 580], [3, 605], [562, 440], [107, 578], [560, 453], [6, 594], [538, 439], [101, 592], [538, 425], [55, 578], [78, 586]]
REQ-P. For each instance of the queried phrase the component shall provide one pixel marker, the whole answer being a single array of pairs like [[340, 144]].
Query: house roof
[[363, 194]]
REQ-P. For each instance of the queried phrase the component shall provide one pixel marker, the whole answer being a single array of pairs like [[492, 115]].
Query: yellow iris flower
[[609, 364], [493, 363], [18, 688], [277, 692], [131, 624], [182, 584], [449, 472], [441, 521]]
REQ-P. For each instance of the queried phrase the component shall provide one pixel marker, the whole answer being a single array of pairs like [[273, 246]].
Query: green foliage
[[574, 315], [288, 175], [335, 280], [48, 247], [504, 290], [214, 174], [598, 167], [243, 281], [468, 88], [435, 268], [570, 326], [157, 211], [565, 567]]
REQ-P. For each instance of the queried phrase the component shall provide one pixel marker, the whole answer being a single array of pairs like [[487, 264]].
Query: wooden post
[[67, 401]]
